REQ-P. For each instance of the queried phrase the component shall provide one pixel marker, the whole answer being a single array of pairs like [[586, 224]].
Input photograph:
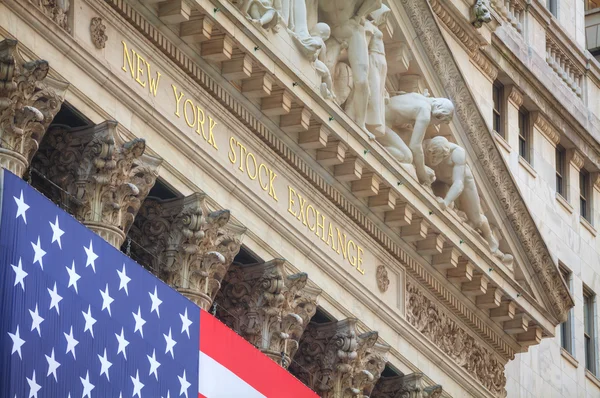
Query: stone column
[[29, 100], [103, 179], [407, 386], [337, 361], [267, 307], [186, 244]]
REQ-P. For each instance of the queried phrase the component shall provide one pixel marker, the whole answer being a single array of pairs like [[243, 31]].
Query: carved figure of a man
[[322, 32], [419, 110], [449, 162], [346, 19], [264, 13]]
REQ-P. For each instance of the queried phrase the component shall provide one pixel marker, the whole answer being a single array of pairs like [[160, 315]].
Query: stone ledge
[[570, 358], [587, 225], [564, 203], [502, 142], [592, 377], [527, 166]]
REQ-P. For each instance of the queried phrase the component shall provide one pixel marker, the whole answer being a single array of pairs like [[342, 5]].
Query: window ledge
[[570, 358], [592, 377], [588, 226], [527, 166], [500, 140], [563, 202]]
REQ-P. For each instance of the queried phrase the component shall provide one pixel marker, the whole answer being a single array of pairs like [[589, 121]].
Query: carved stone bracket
[[575, 158], [337, 361], [97, 29], [267, 307], [406, 386], [447, 335], [546, 128], [103, 179], [29, 100], [56, 10], [185, 243]]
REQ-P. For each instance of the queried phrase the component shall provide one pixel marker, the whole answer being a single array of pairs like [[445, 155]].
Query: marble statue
[[347, 21], [264, 13], [449, 162], [419, 110], [298, 16], [481, 13], [322, 32], [375, 119]]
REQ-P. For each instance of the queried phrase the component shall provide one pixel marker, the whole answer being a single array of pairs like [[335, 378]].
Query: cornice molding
[[486, 150], [546, 128]]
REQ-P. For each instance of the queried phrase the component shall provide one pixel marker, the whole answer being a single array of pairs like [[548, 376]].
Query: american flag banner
[[78, 318]]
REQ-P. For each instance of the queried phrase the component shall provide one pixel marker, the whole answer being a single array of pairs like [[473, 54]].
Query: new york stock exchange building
[[389, 199]]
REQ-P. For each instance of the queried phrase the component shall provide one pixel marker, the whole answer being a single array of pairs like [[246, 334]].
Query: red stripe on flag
[[248, 363], [201, 396]]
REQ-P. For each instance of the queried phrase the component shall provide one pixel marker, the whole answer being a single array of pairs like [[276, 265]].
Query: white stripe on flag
[[216, 381]]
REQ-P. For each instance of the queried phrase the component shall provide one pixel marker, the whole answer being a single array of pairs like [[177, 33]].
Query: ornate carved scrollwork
[[267, 307], [97, 29], [103, 179], [56, 10], [186, 244], [29, 100], [406, 386], [447, 335], [383, 280], [337, 361]]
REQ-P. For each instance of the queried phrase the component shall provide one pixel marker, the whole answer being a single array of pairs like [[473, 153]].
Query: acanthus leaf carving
[[103, 179], [29, 100], [406, 386], [335, 360], [97, 31], [383, 280], [186, 244], [267, 307]]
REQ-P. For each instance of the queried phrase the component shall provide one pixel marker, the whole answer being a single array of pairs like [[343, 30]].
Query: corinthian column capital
[[29, 100], [103, 179], [407, 386]]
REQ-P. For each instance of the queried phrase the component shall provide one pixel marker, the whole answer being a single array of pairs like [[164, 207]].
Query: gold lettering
[[272, 177], [185, 114], [341, 245], [330, 241], [139, 70], [178, 99], [211, 137], [350, 256], [307, 218], [242, 156], [255, 166], [260, 181], [127, 58], [301, 212], [360, 260], [291, 194], [232, 156], [322, 225], [153, 86], [200, 125]]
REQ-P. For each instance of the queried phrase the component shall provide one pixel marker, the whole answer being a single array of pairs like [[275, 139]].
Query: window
[[524, 134], [498, 96], [552, 6], [566, 337], [589, 331], [591, 4], [561, 155], [584, 194]]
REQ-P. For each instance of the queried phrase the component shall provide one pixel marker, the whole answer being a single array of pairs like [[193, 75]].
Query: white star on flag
[[170, 344], [57, 233], [87, 386], [124, 280], [36, 320], [185, 323], [34, 387], [106, 300], [17, 342], [38, 253], [19, 274], [155, 302], [73, 276], [22, 207], [104, 365], [122, 343], [154, 364], [91, 256], [71, 343], [137, 385], [184, 385], [139, 322], [54, 298], [52, 365], [89, 321]]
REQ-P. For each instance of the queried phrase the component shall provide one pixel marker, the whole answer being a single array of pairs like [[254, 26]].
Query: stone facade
[[329, 187]]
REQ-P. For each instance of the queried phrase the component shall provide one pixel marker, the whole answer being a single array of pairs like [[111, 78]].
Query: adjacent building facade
[[389, 199]]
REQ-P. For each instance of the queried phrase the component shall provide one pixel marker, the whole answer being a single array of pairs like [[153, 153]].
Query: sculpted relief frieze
[[448, 335]]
